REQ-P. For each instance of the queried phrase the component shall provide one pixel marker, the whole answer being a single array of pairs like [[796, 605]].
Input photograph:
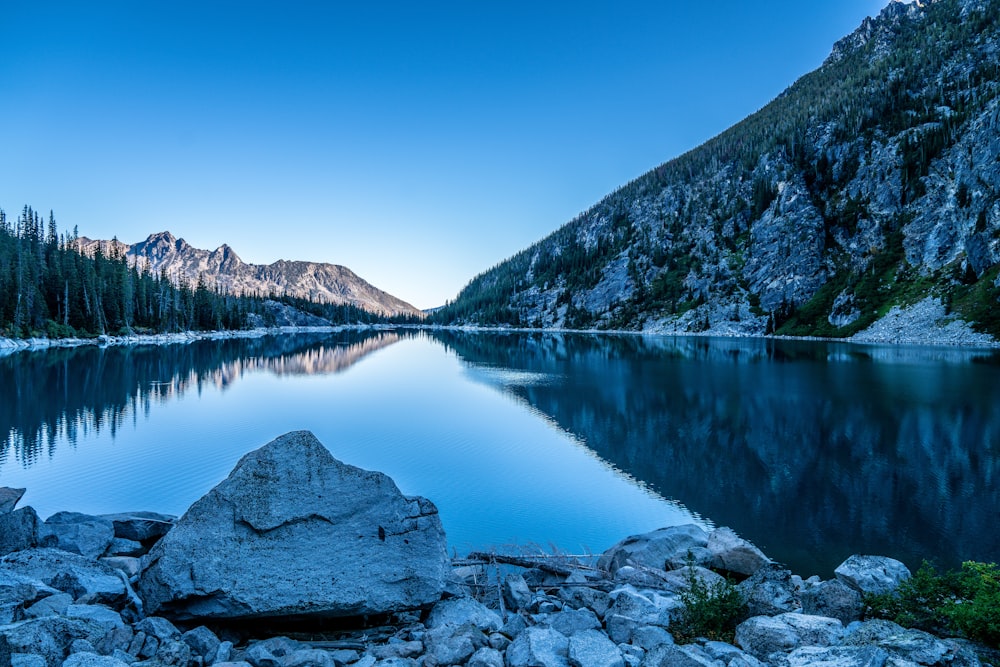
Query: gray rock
[[173, 652], [397, 648], [621, 628], [238, 663], [679, 581], [486, 657], [203, 642], [140, 526], [872, 574], [88, 581], [650, 636], [82, 646], [452, 646], [308, 657], [9, 498], [365, 661], [269, 652], [732, 553], [645, 609], [18, 530], [463, 611], [728, 653], [156, 626], [573, 621], [904, 644], [49, 637], [769, 591], [671, 655], [127, 565], [398, 662], [761, 636], [838, 656], [344, 656], [92, 660], [592, 648], [539, 647], [632, 655], [516, 594], [499, 641], [123, 656], [292, 530], [103, 617], [21, 589], [53, 605], [119, 546], [514, 626], [833, 598], [224, 654], [658, 549], [76, 533], [27, 660], [578, 597]]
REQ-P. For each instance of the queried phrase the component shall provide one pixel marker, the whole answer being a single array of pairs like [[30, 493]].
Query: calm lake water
[[811, 450]]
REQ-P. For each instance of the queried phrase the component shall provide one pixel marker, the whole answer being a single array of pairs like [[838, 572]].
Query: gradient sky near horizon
[[418, 143]]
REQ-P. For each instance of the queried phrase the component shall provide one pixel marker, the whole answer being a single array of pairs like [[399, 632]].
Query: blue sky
[[417, 143]]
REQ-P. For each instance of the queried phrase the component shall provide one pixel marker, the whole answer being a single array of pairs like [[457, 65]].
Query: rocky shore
[[300, 560]]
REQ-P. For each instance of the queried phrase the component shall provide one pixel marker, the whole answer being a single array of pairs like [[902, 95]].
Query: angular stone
[[203, 642], [293, 531], [49, 637], [127, 565], [730, 655], [451, 646], [53, 605], [173, 652], [516, 594], [92, 660], [838, 656], [761, 636], [538, 647], [650, 636], [456, 612], [88, 581], [671, 655], [18, 530], [732, 553], [872, 574], [140, 526], [397, 648], [308, 657], [769, 591], [9, 498], [156, 626], [486, 657], [22, 589], [105, 618], [76, 533], [573, 621], [27, 660], [833, 598], [592, 648], [666, 548], [121, 547]]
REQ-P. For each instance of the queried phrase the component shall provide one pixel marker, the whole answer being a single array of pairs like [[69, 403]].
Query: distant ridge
[[223, 269]]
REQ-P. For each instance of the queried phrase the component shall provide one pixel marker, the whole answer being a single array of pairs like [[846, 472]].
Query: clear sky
[[418, 143]]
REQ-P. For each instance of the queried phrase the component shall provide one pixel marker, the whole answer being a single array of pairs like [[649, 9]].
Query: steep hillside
[[222, 268], [871, 182]]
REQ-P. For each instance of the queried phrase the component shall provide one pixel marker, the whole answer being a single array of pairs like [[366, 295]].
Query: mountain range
[[222, 268], [871, 184]]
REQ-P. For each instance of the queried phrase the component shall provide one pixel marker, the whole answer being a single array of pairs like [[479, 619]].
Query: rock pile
[[142, 589]]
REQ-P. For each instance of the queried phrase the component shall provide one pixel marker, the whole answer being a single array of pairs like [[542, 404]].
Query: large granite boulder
[[9, 498], [88, 581], [872, 575], [76, 533], [18, 530], [667, 548], [294, 531]]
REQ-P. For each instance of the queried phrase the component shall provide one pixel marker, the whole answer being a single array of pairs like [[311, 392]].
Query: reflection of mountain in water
[[97, 388], [811, 450]]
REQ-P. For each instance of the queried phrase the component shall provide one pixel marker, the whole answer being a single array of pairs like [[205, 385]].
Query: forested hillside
[[48, 288], [871, 182]]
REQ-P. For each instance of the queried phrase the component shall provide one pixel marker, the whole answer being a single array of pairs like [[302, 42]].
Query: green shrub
[[710, 610], [964, 603]]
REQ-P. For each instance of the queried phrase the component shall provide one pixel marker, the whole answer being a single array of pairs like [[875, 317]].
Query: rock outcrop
[[294, 531]]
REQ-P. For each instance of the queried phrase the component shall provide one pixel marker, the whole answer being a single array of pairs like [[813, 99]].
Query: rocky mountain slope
[[870, 183], [222, 268]]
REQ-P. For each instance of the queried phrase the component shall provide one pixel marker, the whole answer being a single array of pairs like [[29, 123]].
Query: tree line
[[49, 288]]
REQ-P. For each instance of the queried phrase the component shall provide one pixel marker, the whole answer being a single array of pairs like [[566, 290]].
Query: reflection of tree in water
[[59, 394], [811, 450]]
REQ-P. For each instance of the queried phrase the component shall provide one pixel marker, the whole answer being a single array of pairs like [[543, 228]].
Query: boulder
[[294, 531], [671, 655], [730, 655], [872, 574], [122, 548], [761, 636], [53, 605], [837, 656], [833, 598], [9, 498], [486, 657], [22, 589], [516, 594], [666, 548], [908, 645], [88, 581], [203, 642], [18, 530], [592, 648], [769, 591], [650, 636], [539, 647], [140, 526], [76, 533], [48, 637], [731, 553], [456, 612], [573, 621]]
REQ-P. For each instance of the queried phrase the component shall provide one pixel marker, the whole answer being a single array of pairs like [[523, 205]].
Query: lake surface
[[811, 450]]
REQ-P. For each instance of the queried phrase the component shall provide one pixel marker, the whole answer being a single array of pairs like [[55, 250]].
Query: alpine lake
[[538, 441]]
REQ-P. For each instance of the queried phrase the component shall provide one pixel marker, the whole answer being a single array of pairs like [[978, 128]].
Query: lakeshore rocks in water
[[320, 537], [59, 609]]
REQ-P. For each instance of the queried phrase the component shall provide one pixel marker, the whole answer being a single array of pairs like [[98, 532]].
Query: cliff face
[[872, 182], [222, 267]]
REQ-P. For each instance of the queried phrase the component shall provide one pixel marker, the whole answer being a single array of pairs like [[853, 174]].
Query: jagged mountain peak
[[879, 31], [327, 283]]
